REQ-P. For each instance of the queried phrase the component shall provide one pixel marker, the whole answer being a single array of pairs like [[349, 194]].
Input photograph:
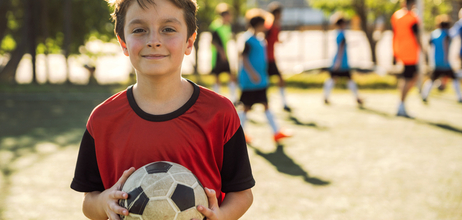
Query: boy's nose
[[154, 41]]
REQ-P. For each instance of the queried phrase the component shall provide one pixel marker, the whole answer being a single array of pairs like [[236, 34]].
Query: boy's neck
[[162, 95]]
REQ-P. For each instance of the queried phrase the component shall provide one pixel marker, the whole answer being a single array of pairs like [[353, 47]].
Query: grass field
[[342, 163]]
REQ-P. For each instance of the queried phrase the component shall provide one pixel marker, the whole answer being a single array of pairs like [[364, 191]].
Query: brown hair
[[121, 6]]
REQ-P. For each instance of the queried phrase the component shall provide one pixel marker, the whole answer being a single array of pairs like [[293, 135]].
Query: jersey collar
[[159, 118]]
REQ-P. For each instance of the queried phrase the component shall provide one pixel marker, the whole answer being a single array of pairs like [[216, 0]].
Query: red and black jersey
[[204, 135]]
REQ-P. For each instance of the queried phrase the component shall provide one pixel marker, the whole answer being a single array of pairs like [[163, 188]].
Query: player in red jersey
[[272, 37], [163, 117]]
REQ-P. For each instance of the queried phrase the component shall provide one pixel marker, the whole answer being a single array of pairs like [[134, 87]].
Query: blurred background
[[59, 59], [72, 41]]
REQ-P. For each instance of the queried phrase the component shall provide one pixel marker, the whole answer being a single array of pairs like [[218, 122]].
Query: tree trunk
[[361, 10], [31, 24], [8, 73], [4, 7], [45, 34], [67, 35]]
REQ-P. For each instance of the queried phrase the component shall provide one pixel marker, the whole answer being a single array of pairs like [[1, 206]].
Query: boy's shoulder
[[213, 101], [113, 104]]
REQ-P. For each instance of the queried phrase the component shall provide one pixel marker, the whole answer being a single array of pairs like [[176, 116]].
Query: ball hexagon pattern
[[163, 190]]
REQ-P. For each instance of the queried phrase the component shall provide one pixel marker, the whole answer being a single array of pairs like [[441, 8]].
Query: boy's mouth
[[154, 56]]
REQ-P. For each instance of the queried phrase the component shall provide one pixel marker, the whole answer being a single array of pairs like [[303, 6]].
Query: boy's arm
[[233, 207], [103, 205], [338, 62], [250, 70]]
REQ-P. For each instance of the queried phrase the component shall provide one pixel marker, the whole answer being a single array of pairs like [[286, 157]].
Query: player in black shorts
[[441, 40], [340, 66], [272, 37], [221, 34]]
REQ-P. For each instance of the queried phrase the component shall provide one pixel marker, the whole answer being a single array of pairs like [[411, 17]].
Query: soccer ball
[[163, 190]]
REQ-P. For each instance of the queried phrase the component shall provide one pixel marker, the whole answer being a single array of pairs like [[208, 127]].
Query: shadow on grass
[[36, 125], [438, 125], [296, 121], [287, 165]]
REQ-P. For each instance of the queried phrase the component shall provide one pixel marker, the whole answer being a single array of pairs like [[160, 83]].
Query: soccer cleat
[[326, 101], [360, 101], [425, 100], [280, 135], [287, 108], [460, 101]]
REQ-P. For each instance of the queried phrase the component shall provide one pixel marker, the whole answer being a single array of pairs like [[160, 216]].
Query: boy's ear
[[190, 43], [123, 45]]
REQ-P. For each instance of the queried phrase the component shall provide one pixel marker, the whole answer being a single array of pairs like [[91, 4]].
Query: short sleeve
[[246, 49], [87, 177], [236, 172], [216, 38]]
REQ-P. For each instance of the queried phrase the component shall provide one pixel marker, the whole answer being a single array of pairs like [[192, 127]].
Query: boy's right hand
[[109, 198]]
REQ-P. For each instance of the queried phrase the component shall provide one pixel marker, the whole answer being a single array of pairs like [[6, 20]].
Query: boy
[[340, 66], [221, 34], [253, 75], [441, 40], [406, 48], [163, 117], [272, 37]]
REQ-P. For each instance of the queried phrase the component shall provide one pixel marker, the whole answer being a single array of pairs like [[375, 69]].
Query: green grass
[[296, 81]]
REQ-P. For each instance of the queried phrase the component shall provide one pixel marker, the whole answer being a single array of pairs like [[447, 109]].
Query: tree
[[85, 18], [367, 10], [370, 10]]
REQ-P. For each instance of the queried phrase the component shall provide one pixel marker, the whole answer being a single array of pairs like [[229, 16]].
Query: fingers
[[124, 177], [213, 204], [212, 197], [208, 213]]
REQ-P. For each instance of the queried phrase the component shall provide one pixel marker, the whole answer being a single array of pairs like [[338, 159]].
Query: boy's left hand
[[213, 212]]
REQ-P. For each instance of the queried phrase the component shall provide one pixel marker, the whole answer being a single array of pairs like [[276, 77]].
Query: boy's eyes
[[168, 30], [139, 30]]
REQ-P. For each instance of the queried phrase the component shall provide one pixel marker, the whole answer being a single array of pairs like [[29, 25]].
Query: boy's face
[[156, 38]]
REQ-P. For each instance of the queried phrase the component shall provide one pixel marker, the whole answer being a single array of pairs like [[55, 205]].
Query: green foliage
[[88, 18], [386, 8]]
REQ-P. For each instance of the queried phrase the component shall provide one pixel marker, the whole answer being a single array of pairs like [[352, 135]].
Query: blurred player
[[441, 41], [221, 34], [406, 48], [272, 37], [253, 75], [340, 66]]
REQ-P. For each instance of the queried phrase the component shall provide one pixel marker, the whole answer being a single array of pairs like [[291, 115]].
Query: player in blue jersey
[[441, 40], [253, 75], [340, 66]]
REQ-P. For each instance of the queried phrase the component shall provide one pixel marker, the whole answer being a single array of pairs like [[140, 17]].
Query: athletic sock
[[283, 96], [216, 88], [427, 87], [242, 117], [352, 86], [456, 83], [271, 121], [328, 85], [232, 90]]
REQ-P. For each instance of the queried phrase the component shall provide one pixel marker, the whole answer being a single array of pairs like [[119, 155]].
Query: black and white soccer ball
[[163, 190]]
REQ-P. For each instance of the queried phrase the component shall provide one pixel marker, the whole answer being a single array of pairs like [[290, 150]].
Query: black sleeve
[[216, 38], [236, 173], [246, 49], [87, 177], [415, 29]]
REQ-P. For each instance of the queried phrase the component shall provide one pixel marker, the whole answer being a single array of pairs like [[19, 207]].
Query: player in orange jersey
[[406, 47]]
